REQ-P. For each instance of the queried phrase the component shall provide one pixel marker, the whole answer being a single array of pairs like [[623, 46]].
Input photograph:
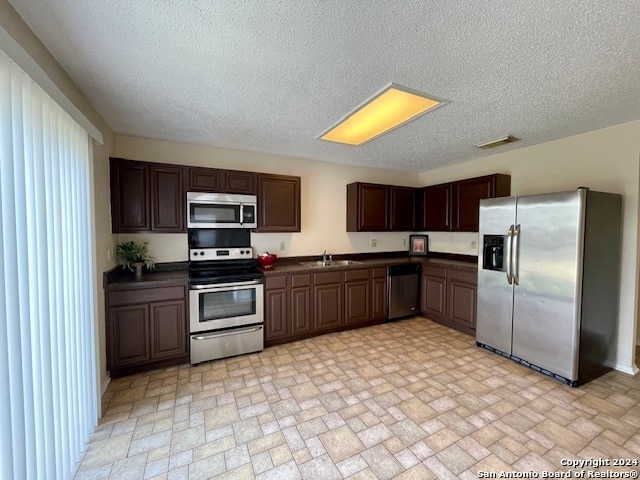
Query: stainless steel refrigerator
[[548, 281]]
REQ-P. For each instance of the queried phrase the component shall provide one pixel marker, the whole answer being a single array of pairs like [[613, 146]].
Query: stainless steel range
[[226, 297]]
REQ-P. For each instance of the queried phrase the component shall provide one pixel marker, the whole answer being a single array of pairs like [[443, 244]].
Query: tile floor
[[407, 400]]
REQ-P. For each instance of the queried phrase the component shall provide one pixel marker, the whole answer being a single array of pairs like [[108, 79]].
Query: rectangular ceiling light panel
[[392, 107]]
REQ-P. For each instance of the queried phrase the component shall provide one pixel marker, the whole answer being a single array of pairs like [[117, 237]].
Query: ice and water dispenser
[[493, 253]]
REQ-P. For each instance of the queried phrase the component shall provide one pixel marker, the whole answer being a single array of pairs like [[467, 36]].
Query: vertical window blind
[[48, 405]]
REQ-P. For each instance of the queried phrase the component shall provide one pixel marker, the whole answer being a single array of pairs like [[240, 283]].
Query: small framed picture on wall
[[418, 245]]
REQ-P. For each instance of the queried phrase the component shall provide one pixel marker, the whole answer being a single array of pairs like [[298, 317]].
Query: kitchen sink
[[329, 263]]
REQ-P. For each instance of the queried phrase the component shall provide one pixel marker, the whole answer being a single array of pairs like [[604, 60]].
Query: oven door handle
[[223, 286], [227, 333]]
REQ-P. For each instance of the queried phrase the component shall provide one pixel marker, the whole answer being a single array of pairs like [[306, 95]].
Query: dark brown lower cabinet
[[379, 297], [448, 296], [302, 305], [463, 287], [357, 293], [276, 307], [288, 307], [327, 300], [127, 334], [433, 300], [146, 328]]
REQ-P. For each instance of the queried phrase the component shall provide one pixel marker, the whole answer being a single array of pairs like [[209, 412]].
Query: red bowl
[[267, 261]]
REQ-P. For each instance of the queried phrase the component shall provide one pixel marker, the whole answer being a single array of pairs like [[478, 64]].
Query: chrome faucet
[[324, 257]]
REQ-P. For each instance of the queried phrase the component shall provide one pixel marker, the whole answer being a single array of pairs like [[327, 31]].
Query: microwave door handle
[[241, 214], [508, 254]]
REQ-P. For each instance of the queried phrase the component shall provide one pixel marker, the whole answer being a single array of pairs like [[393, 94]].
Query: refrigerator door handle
[[509, 241], [516, 256]]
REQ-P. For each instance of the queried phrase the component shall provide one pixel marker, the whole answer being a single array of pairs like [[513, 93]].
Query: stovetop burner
[[216, 265], [229, 273]]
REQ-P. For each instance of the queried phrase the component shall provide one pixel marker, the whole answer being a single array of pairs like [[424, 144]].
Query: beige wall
[[323, 199], [605, 160], [20, 32]]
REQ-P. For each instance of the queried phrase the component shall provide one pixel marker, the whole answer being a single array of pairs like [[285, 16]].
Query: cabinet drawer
[[353, 275], [463, 276], [271, 283], [326, 278], [378, 272], [432, 271], [145, 295], [300, 280]]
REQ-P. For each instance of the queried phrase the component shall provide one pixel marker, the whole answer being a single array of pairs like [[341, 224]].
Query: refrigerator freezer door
[[495, 294], [548, 263]]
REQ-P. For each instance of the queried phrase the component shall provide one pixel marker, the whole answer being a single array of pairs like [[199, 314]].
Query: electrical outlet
[[474, 244], [282, 245], [374, 242], [404, 242], [108, 254]]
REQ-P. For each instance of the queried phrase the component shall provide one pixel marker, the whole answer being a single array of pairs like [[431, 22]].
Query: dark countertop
[[292, 267], [177, 272], [164, 273]]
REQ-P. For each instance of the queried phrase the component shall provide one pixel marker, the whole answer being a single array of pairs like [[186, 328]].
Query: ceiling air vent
[[497, 143]]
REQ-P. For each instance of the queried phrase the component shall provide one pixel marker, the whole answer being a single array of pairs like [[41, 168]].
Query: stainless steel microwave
[[221, 210]]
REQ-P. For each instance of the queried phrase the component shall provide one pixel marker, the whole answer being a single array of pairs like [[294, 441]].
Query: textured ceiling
[[272, 75]]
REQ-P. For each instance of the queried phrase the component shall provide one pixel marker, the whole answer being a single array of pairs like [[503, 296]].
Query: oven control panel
[[208, 254]]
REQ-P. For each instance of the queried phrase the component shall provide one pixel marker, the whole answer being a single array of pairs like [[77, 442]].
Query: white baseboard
[[105, 383], [629, 370]]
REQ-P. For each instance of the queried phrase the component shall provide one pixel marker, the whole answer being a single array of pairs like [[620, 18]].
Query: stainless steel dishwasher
[[403, 288]]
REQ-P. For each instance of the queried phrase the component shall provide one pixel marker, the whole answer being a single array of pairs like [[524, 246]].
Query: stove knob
[[195, 254], [201, 253]]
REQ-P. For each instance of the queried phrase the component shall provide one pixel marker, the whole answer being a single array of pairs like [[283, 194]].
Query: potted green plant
[[136, 255]]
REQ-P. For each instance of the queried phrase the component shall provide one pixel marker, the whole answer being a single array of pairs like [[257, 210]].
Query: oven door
[[214, 307]]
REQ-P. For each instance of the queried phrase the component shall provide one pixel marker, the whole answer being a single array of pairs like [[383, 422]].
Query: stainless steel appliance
[[220, 210], [548, 281], [226, 296], [403, 289]]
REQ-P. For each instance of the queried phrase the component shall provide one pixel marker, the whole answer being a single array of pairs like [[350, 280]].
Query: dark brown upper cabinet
[[278, 203], [150, 197], [240, 182], [403, 209], [467, 195], [146, 197], [374, 208], [167, 198], [130, 209], [455, 206], [224, 181], [205, 180], [367, 207], [434, 208]]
